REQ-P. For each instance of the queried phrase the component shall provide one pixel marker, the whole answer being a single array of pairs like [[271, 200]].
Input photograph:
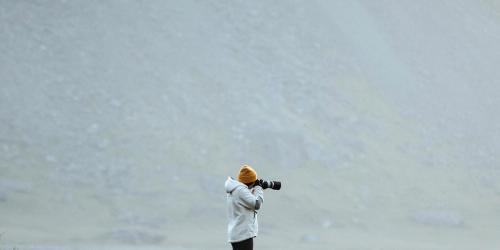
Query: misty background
[[121, 120]]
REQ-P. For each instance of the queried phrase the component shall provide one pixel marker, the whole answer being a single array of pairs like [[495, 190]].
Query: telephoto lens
[[276, 185]]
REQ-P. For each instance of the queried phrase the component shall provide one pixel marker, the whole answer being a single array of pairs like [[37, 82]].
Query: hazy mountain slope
[[120, 121]]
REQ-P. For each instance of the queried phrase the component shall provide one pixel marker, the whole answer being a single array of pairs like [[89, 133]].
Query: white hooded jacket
[[242, 206]]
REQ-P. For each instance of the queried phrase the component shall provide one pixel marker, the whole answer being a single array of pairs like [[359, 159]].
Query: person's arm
[[252, 201], [259, 194]]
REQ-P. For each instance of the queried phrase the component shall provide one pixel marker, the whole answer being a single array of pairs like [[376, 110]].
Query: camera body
[[275, 185]]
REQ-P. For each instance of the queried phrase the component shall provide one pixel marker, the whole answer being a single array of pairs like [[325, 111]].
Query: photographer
[[244, 197]]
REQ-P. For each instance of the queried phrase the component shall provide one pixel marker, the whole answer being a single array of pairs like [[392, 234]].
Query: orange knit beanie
[[247, 174]]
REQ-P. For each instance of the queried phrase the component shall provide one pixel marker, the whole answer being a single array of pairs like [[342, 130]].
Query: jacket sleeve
[[252, 201]]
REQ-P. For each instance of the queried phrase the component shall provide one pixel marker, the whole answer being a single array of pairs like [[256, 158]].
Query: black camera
[[275, 185]]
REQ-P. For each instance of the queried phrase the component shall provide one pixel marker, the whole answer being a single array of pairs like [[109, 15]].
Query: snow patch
[[447, 218]]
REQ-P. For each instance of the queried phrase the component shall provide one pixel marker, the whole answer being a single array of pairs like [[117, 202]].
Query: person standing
[[244, 197]]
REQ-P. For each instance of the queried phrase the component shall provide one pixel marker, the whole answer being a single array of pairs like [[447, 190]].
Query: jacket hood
[[231, 184]]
